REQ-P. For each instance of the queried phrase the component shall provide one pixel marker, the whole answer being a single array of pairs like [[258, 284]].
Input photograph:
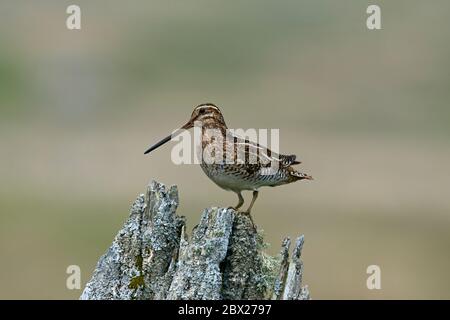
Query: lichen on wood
[[152, 257]]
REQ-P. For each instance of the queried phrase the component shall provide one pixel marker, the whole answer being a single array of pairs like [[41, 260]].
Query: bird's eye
[[202, 111]]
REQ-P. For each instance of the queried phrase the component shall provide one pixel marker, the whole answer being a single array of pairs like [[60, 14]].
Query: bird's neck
[[211, 131], [214, 124]]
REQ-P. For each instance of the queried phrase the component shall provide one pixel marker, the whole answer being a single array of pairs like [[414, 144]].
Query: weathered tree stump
[[152, 257]]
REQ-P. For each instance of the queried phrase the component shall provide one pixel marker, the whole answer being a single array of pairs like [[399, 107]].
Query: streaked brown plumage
[[243, 164]]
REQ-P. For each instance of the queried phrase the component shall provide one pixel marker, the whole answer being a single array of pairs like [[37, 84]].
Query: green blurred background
[[366, 111]]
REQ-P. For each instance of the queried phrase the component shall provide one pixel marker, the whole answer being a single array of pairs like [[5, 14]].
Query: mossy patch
[[136, 282], [269, 272], [139, 262]]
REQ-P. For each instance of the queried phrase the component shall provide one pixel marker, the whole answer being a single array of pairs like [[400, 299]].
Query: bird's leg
[[241, 201], [255, 195]]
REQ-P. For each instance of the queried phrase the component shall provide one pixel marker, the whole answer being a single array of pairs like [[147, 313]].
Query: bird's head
[[206, 114]]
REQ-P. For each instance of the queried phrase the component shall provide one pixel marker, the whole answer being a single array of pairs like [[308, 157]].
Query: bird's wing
[[259, 153]]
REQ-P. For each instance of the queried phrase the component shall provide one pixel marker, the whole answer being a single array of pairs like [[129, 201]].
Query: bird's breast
[[237, 177]]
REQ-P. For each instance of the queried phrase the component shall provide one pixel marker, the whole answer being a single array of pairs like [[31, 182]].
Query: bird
[[243, 165]]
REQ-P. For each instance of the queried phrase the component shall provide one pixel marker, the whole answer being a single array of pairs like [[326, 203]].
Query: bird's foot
[[247, 213]]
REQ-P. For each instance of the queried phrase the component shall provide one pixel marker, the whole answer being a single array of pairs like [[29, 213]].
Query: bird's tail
[[296, 175]]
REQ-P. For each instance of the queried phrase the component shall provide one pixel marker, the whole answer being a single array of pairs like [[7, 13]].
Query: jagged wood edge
[[151, 257]]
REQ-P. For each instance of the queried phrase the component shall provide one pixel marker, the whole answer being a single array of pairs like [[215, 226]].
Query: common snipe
[[242, 164]]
